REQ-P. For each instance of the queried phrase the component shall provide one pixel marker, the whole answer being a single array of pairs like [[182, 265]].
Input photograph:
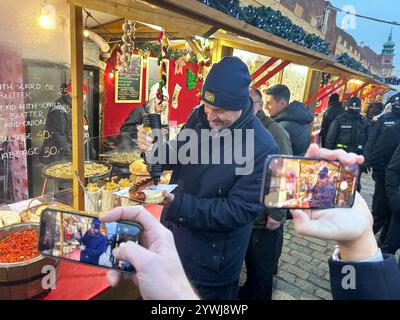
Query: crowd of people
[[214, 221]]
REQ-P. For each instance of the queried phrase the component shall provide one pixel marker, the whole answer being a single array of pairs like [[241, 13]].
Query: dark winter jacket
[[384, 148], [213, 210], [283, 140], [373, 280], [378, 126], [296, 120], [95, 246], [134, 119], [374, 109], [334, 110], [349, 132], [280, 135], [59, 126], [393, 182]]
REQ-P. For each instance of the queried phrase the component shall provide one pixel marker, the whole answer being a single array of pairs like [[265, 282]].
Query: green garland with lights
[[271, 21], [154, 49], [352, 63]]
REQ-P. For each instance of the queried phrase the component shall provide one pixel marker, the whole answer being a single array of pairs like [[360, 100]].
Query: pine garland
[[154, 50], [352, 63], [271, 21]]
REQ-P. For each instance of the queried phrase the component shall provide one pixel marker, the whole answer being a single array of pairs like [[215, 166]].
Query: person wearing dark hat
[[93, 244], [380, 123], [212, 210], [294, 117], [350, 130], [376, 150], [334, 110], [379, 161], [323, 193]]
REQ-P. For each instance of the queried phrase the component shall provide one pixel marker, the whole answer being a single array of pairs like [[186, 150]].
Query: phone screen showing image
[[300, 183], [84, 239]]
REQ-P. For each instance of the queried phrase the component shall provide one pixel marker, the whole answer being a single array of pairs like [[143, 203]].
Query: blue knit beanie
[[227, 85]]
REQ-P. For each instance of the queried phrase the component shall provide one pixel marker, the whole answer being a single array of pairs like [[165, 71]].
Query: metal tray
[[91, 178]]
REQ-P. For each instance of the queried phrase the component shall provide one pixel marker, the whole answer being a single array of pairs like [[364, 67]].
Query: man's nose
[[211, 115]]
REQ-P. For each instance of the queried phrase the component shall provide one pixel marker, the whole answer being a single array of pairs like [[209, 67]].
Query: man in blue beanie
[[93, 244], [211, 211]]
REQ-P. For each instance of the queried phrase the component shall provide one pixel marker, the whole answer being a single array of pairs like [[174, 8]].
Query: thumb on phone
[[133, 253]]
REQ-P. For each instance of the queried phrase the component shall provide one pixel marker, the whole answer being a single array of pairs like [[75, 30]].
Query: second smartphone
[[304, 183], [84, 239]]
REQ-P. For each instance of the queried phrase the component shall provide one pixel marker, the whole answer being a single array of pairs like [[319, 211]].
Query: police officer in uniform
[[386, 131], [385, 120], [349, 131]]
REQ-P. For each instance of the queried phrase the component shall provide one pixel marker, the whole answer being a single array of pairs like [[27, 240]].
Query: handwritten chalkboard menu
[[128, 86], [153, 74]]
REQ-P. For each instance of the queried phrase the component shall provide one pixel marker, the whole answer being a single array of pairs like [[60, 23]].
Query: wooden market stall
[[183, 20], [186, 19]]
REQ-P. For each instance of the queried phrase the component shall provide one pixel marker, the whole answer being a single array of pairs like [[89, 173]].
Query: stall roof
[[187, 18]]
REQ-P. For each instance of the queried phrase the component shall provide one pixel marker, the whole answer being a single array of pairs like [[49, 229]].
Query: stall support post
[[77, 103], [216, 51], [307, 90], [352, 94]]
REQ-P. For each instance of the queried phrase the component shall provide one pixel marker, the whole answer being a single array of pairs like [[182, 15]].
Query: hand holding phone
[[351, 228], [156, 262], [308, 183], [81, 238]]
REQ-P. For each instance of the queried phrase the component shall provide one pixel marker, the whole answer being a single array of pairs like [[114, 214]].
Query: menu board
[[128, 86], [152, 74]]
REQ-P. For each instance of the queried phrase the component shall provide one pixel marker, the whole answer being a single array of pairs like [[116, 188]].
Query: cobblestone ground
[[303, 268]]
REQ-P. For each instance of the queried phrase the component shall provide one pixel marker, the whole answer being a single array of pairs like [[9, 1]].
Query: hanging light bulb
[[47, 18], [86, 33]]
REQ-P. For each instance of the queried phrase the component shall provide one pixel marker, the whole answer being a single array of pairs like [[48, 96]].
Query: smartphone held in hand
[[305, 183], [84, 239]]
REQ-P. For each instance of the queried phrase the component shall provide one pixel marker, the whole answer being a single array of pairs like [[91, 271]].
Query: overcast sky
[[374, 34]]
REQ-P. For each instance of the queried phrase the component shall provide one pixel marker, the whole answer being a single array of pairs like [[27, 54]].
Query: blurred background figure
[[334, 110]]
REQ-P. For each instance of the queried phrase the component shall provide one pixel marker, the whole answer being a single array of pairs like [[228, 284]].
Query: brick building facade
[[316, 16]]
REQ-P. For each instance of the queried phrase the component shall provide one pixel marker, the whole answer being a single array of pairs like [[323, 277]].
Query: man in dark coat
[[350, 130], [59, 126], [265, 246], [295, 117], [211, 211], [380, 123], [379, 160], [380, 208], [334, 110], [58, 146], [392, 241], [323, 193], [93, 244]]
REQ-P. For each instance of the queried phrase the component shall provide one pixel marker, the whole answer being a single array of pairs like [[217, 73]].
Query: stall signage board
[[152, 74], [128, 86]]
